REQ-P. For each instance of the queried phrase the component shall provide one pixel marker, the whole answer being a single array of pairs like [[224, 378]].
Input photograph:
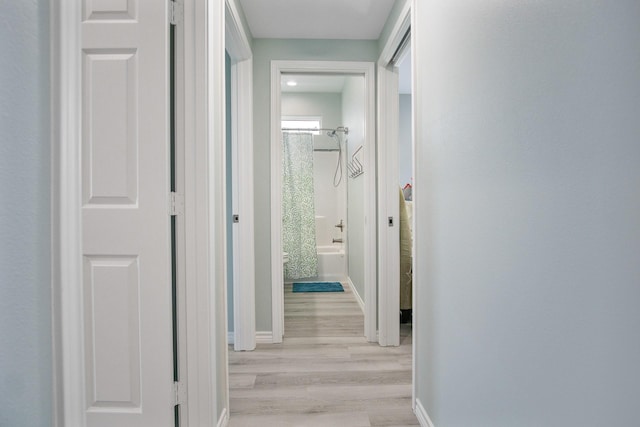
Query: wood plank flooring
[[324, 373]]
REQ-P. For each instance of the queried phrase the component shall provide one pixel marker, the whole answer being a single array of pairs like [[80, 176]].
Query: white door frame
[[67, 190], [204, 137], [388, 209], [244, 306], [366, 69], [388, 129], [388, 237]]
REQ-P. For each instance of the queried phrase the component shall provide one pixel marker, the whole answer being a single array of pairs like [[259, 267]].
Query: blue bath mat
[[317, 287]]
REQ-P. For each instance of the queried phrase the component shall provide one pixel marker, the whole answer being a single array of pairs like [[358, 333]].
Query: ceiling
[[317, 19], [322, 19]]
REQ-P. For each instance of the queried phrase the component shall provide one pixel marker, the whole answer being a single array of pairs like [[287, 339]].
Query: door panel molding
[[204, 230]]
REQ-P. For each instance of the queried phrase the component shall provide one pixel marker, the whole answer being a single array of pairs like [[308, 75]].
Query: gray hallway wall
[[528, 195], [26, 365]]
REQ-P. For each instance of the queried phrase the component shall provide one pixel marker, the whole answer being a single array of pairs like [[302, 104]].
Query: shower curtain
[[298, 208]]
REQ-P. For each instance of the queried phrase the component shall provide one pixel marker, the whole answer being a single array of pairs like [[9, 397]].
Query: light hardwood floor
[[324, 373]]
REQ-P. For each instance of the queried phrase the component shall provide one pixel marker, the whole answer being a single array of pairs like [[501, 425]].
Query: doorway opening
[[322, 126], [340, 96]]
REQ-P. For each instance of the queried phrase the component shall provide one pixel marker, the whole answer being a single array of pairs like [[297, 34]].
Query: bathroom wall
[[264, 51], [330, 201], [26, 357], [528, 212], [353, 111]]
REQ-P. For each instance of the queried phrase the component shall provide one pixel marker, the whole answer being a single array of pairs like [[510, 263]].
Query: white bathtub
[[332, 263]]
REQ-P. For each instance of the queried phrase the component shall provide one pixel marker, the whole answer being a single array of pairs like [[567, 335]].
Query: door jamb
[[403, 23], [67, 221], [239, 49], [277, 289], [388, 234], [205, 212], [389, 251]]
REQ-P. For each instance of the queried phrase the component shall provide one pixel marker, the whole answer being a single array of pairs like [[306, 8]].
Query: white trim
[[239, 48], [370, 204], [421, 414], [261, 337], [55, 107], [179, 162], [400, 28], [264, 337], [388, 206], [277, 270], [223, 421], [417, 283], [244, 310], [68, 140], [277, 292], [236, 38], [357, 295], [388, 255], [216, 195], [204, 207]]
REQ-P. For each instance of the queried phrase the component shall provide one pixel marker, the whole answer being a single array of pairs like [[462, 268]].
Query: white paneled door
[[125, 218]]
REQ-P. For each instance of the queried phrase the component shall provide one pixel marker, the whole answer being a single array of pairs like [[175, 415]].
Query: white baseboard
[[421, 414], [264, 337], [355, 292], [224, 419]]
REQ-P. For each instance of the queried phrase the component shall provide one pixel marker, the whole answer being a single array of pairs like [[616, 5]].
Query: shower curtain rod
[[338, 129]]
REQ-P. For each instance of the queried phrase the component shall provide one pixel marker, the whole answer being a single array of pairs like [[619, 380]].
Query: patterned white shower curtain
[[298, 207]]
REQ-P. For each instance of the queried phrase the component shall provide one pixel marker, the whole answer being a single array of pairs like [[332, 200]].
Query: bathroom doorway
[[330, 105], [322, 122]]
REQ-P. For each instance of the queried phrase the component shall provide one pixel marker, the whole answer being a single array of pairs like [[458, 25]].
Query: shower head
[[331, 133]]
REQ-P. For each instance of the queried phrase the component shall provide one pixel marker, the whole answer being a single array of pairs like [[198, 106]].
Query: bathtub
[[332, 263]]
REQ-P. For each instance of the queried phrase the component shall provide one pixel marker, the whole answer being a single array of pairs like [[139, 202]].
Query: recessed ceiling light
[[292, 83]]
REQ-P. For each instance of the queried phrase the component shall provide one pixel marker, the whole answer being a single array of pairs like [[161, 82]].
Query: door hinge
[[179, 393], [175, 12], [176, 204]]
